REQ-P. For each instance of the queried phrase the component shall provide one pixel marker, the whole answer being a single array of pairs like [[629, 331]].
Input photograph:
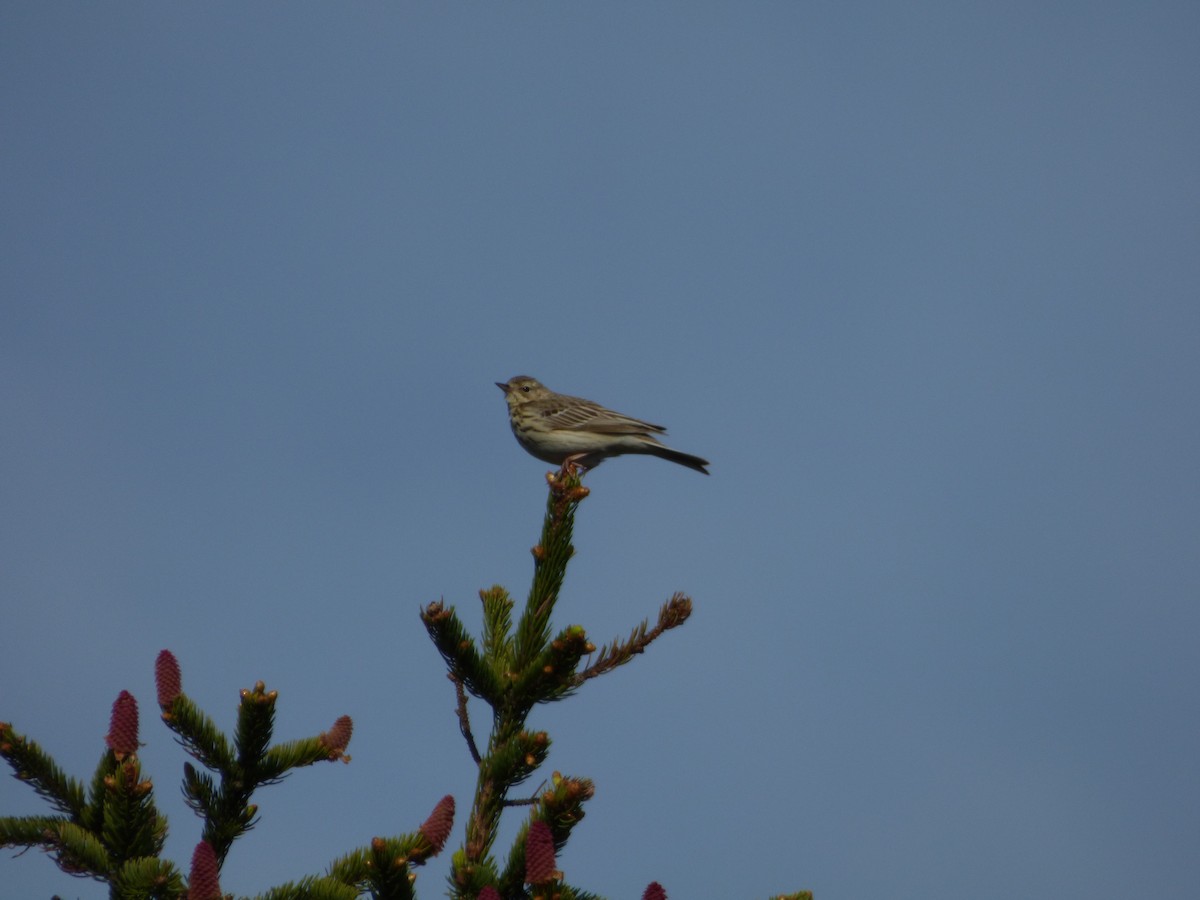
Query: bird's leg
[[571, 466]]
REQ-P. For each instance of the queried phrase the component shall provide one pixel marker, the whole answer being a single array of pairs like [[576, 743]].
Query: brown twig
[[464, 721], [528, 802], [673, 613]]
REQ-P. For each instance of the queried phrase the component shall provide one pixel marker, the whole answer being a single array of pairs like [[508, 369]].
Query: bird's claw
[[569, 468]]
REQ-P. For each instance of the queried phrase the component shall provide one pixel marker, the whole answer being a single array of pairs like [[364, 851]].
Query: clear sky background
[[922, 281]]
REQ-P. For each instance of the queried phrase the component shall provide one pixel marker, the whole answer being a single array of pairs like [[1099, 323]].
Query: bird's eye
[[525, 388]]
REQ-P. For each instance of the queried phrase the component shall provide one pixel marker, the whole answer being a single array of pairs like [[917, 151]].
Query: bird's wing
[[576, 414]]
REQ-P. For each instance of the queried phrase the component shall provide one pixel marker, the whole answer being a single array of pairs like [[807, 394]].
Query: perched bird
[[570, 430]]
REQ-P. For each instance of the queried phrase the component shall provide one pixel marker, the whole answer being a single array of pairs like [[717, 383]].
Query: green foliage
[[513, 668], [198, 734], [560, 807], [312, 888], [458, 649], [497, 628], [147, 877], [132, 828], [26, 831], [32, 765], [78, 850], [114, 833]]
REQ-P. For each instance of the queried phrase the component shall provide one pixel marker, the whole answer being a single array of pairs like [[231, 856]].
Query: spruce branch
[[79, 851], [34, 766], [561, 808], [328, 746], [148, 877], [551, 676], [497, 627], [672, 614], [551, 556], [28, 831], [198, 734], [132, 827], [384, 866], [74, 849], [458, 650], [312, 888], [562, 804], [93, 815], [226, 807], [255, 725], [389, 876], [513, 761], [350, 869], [280, 759], [199, 790]]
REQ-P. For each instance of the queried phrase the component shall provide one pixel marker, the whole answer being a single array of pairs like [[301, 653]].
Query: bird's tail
[[678, 456]]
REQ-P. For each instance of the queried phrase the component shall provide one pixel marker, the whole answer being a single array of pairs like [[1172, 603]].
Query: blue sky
[[921, 281]]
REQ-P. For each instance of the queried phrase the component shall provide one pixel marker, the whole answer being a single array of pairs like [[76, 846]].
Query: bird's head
[[521, 389]]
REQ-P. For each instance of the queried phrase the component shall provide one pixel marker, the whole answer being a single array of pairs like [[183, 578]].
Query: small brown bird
[[570, 430]]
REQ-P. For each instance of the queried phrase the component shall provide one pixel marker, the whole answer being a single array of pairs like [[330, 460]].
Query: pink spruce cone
[[122, 737], [167, 678], [436, 829], [539, 854], [489, 893], [654, 891], [202, 881], [337, 738]]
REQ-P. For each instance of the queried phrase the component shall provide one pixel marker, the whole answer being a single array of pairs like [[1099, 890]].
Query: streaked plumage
[[559, 429]]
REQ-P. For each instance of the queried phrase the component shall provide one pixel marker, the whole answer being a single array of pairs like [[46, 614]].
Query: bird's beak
[[504, 387]]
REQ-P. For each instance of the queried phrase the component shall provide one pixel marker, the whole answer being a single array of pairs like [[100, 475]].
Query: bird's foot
[[570, 467]]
